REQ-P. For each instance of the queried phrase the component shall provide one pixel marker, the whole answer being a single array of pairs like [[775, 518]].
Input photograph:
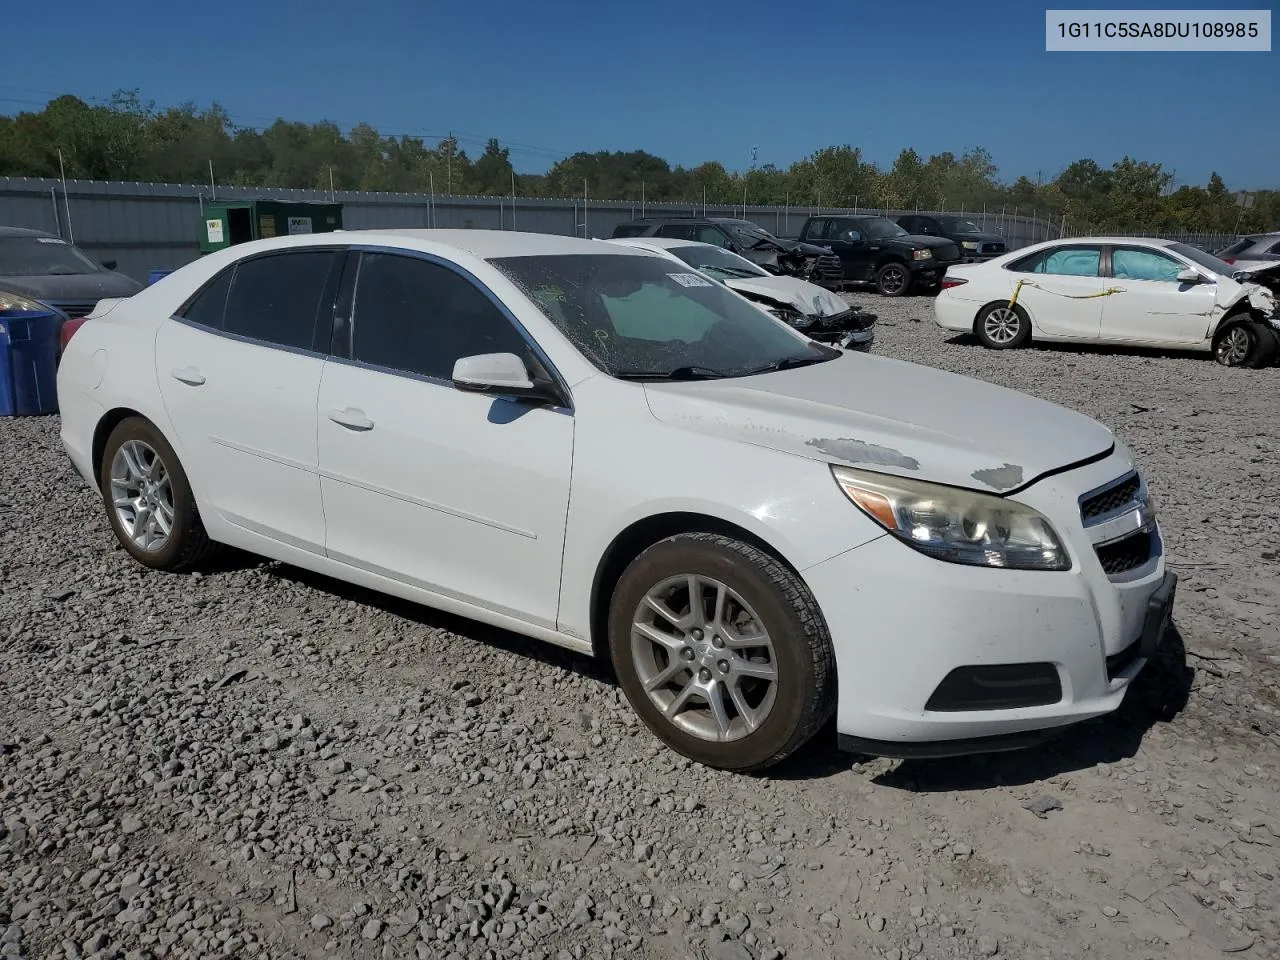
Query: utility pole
[[449, 167], [513, 198]]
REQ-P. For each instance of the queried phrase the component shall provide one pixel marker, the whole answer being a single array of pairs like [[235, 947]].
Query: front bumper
[[901, 623]]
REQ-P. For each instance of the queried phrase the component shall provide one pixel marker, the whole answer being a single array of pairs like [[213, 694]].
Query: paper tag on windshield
[[689, 280], [49, 240]]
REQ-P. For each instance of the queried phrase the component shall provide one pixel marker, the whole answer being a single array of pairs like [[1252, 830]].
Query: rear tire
[[148, 499], [1002, 326], [754, 641], [893, 279]]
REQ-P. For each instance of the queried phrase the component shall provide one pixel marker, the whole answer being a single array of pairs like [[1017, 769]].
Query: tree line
[[127, 138]]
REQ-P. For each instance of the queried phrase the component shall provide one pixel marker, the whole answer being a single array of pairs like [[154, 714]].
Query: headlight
[[958, 526], [13, 302], [970, 244], [925, 254]]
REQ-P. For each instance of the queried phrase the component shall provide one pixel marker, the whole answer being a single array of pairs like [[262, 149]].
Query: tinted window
[[420, 317], [679, 231], [1064, 262], [1237, 248], [207, 306], [42, 257], [711, 235], [1275, 247], [630, 230], [845, 230], [1131, 264], [276, 298], [815, 229]]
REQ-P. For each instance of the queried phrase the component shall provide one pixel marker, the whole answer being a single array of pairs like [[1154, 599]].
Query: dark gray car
[[45, 268]]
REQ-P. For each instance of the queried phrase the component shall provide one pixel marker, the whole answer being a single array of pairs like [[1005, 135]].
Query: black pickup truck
[[876, 250], [976, 245]]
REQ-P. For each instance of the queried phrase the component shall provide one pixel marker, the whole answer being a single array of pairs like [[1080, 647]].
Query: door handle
[[351, 418], [189, 375]]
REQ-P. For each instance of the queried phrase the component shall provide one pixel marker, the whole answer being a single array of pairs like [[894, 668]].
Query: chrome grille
[[1112, 499]]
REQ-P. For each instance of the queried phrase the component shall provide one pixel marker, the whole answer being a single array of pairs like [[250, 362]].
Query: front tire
[[1002, 326], [148, 500], [1248, 343], [893, 280], [722, 651]]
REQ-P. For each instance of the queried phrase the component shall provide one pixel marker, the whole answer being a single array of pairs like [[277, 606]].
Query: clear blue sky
[[688, 81]]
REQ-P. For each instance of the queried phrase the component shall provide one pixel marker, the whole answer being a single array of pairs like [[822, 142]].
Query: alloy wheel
[[704, 658], [1001, 325], [1233, 349], [141, 495]]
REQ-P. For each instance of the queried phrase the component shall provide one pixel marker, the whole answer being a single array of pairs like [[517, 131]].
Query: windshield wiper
[[679, 373], [790, 363]]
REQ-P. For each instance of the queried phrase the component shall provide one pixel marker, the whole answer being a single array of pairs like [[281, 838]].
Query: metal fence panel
[[145, 226]]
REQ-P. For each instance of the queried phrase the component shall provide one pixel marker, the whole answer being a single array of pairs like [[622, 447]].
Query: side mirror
[[1190, 276], [504, 374], [110, 264]]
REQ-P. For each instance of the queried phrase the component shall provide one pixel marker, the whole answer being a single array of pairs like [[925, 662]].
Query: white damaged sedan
[[586, 444]]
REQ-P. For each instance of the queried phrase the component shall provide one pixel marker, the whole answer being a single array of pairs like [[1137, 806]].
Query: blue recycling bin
[[157, 274], [28, 362]]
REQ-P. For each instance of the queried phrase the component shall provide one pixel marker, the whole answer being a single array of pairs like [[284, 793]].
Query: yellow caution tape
[[1069, 296]]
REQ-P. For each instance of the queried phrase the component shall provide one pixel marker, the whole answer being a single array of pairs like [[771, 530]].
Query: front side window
[[815, 229], [1131, 263], [711, 235], [637, 316], [276, 298], [1206, 260], [1064, 262], [42, 257], [959, 225], [747, 234], [419, 317]]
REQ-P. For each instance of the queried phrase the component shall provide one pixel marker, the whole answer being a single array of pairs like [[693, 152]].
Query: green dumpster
[[228, 222]]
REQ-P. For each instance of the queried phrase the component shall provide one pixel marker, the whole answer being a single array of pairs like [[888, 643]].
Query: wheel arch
[[102, 430], [639, 536]]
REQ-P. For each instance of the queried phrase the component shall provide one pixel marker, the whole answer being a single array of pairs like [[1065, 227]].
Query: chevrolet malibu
[[586, 444]]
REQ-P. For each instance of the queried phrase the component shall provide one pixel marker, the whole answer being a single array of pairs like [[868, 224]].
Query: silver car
[[1253, 252]]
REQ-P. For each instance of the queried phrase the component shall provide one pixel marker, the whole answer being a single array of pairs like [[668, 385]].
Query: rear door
[[239, 368], [1062, 290], [460, 493], [1151, 306]]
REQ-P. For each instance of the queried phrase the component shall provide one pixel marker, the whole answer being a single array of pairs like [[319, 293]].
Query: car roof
[[23, 232], [484, 244]]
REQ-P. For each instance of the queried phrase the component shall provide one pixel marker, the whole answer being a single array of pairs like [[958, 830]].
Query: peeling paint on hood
[[809, 298], [890, 416]]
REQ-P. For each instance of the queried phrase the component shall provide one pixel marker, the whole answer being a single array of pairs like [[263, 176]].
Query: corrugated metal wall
[[147, 226]]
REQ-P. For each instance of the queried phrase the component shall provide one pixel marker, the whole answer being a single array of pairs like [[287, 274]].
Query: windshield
[[880, 228], [959, 225], [718, 262], [42, 257], [747, 233], [641, 317], [1207, 260]]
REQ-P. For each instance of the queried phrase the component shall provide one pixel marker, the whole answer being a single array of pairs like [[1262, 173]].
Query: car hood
[[76, 286], [803, 247], [920, 241], [977, 237], [890, 416], [809, 298]]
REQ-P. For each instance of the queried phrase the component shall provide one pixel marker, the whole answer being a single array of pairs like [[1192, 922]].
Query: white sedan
[[816, 311], [1124, 291], [587, 444]]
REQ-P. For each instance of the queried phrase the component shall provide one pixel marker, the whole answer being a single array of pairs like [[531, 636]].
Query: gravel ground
[[259, 762]]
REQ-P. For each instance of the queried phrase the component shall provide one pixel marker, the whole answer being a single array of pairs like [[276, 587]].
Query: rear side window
[[1275, 247], [276, 298], [420, 317], [1237, 248], [814, 229], [1063, 262], [679, 231], [208, 306]]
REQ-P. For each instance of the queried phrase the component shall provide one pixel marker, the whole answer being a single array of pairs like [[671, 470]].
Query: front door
[[855, 251], [1152, 306], [1062, 290], [455, 492], [238, 372]]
